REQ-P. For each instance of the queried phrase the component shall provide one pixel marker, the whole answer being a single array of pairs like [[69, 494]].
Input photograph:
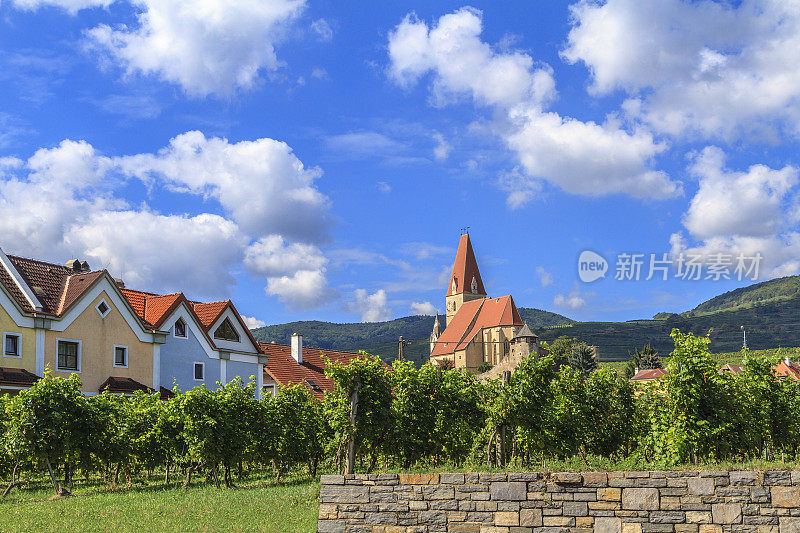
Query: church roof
[[465, 268], [471, 318]]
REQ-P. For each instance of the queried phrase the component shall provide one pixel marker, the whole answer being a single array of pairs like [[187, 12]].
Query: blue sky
[[316, 159]]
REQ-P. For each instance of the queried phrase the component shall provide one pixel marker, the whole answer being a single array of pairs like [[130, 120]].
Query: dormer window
[[474, 286], [180, 328], [103, 308], [455, 286], [226, 332]]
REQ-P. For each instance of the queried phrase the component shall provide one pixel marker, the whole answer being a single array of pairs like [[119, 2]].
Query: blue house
[[207, 343]]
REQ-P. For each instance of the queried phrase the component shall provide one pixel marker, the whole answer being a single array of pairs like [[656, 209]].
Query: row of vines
[[400, 417]]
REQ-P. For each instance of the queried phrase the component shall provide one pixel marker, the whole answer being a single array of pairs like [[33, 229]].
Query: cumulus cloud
[[423, 308], [580, 157], [573, 300], [372, 307], [253, 323], [714, 69], [246, 178], [64, 206], [205, 46], [742, 212]]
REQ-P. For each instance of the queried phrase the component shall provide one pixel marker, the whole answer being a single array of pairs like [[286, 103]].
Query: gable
[[244, 344]]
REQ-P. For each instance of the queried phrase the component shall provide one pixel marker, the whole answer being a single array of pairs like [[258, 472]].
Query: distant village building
[[478, 329]]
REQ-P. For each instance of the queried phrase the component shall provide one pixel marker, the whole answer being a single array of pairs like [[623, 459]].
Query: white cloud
[[749, 213], [423, 308], [748, 203], [581, 157], [304, 289], [383, 187], [206, 46], [709, 68], [247, 178], [442, 149], [71, 6], [322, 29], [64, 206], [545, 277], [253, 323], [372, 307], [363, 145], [462, 63], [572, 301]]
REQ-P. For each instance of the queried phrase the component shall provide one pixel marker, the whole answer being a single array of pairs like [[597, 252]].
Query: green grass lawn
[[254, 506]]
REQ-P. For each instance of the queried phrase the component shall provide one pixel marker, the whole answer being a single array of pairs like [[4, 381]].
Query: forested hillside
[[774, 290]]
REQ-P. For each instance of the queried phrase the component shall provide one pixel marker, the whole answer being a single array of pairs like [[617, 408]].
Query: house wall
[[243, 370], [27, 360], [98, 336], [178, 356]]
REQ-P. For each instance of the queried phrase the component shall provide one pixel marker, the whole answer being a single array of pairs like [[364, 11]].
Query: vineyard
[[382, 418]]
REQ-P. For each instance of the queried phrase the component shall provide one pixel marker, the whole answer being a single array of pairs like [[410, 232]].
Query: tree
[[582, 358], [646, 358], [560, 349]]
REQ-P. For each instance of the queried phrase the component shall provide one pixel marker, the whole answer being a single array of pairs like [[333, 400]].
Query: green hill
[[381, 338], [774, 290]]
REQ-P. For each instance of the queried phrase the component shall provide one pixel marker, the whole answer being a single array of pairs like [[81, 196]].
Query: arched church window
[[474, 286]]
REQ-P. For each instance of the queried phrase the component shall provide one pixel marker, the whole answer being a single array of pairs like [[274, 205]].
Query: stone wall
[[588, 502]]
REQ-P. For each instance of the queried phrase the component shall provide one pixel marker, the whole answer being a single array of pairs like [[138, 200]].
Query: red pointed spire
[[465, 270]]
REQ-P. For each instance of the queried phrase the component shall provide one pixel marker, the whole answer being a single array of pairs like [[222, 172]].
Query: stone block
[[419, 479], [451, 479], [438, 492], [509, 490], [464, 528], [595, 479], [607, 524], [609, 494], [743, 477], [777, 477], [381, 519], [701, 486], [645, 499], [558, 521], [331, 479], [344, 494], [685, 528], [506, 518], [656, 528], [530, 517], [327, 511], [566, 478], [726, 513], [789, 524], [630, 527], [428, 518], [493, 529], [667, 517], [330, 526], [575, 509], [785, 497], [584, 521], [710, 528], [698, 517]]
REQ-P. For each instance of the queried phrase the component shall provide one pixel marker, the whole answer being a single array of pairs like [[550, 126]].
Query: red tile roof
[[116, 385], [787, 369], [648, 374], [471, 318], [282, 367], [13, 289], [16, 377], [152, 308], [208, 313], [75, 286], [465, 268]]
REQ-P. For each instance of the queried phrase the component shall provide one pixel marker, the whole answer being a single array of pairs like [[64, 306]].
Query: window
[[69, 353], [180, 328], [199, 371], [312, 385], [121, 356], [474, 286], [11, 345], [269, 389], [103, 308], [226, 332]]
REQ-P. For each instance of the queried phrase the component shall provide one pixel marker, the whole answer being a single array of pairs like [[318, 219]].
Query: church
[[479, 331]]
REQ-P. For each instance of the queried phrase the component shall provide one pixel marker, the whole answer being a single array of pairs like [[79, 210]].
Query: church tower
[[465, 281]]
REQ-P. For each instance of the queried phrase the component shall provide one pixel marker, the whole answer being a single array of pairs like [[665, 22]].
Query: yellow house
[[70, 320]]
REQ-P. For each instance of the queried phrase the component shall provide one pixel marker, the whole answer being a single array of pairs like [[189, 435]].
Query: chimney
[[119, 283], [74, 265], [297, 348], [85, 266]]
